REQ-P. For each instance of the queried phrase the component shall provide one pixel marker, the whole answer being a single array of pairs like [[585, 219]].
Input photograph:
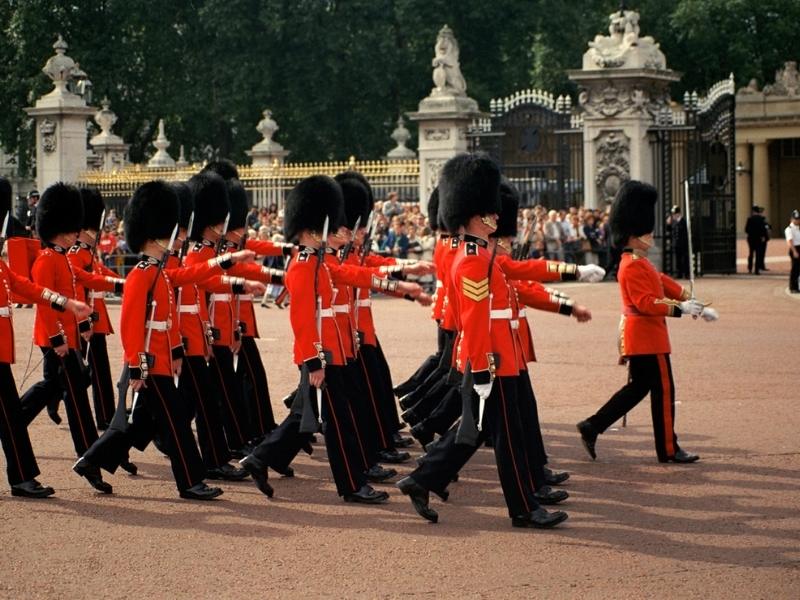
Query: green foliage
[[336, 73]]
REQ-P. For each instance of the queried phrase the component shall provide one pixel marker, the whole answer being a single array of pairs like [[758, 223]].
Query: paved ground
[[727, 527]]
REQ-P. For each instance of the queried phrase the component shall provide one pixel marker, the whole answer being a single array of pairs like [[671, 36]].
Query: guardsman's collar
[[83, 245], [55, 247], [329, 250], [444, 236], [175, 253], [208, 243], [476, 240], [306, 249], [637, 253], [150, 260]]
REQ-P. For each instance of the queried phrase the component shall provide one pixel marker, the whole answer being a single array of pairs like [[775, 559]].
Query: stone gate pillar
[[443, 116], [624, 83], [61, 119]]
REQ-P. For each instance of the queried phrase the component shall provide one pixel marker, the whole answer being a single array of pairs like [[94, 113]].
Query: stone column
[[60, 123], [761, 194], [624, 84], [744, 190], [443, 117], [267, 152], [161, 158]]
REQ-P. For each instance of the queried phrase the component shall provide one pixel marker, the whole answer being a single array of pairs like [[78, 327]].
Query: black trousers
[[756, 249], [363, 411], [20, 461], [503, 424], [159, 409], [795, 272], [255, 387], [225, 384], [382, 399], [426, 368], [102, 386], [341, 438], [445, 414], [63, 377], [441, 370], [196, 389], [647, 373]]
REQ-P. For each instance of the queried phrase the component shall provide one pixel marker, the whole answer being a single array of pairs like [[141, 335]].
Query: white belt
[[325, 312], [439, 284], [98, 295], [158, 325], [245, 297], [505, 313], [220, 297], [364, 303], [5, 311], [192, 309], [341, 308], [521, 313]]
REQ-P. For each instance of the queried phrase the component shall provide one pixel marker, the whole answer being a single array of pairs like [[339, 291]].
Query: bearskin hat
[[356, 200], [211, 204], [433, 209], [151, 214], [469, 185], [5, 198], [362, 180], [633, 212], [309, 202], [224, 168], [240, 204], [185, 201], [93, 207], [60, 210], [509, 207]]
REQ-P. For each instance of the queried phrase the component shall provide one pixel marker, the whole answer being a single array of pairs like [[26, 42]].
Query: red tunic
[[134, 316], [442, 246], [80, 257], [15, 287], [647, 298], [52, 270]]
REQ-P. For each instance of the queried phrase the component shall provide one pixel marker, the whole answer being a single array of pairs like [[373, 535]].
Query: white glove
[[709, 314], [591, 273], [483, 390], [691, 307]]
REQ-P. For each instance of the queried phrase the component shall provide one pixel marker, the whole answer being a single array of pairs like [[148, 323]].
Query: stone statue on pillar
[[266, 152], [61, 117], [161, 158], [111, 150], [444, 115]]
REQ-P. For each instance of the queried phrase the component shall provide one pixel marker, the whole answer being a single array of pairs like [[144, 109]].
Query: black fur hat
[[509, 207], [60, 210], [362, 180], [211, 204], [356, 200], [433, 209], [5, 199], [240, 204], [224, 168], [633, 212], [93, 207], [151, 214], [309, 202], [469, 185], [185, 201]]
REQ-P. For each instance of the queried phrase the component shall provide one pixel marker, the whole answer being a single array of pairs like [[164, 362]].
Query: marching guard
[[21, 467], [648, 298], [59, 220], [153, 348]]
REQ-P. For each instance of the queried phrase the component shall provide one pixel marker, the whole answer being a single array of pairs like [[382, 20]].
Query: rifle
[[321, 257], [349, 245], [365, 247], [4, 234], [524, 250], [150, 309], [90, 293], [217, 251], [237, 321], [689, 236]]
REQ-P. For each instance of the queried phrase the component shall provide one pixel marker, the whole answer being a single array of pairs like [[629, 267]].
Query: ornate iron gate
[[539, 144], [698, 143]]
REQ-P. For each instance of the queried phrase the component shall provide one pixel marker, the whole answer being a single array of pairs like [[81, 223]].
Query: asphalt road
[[726, 527]]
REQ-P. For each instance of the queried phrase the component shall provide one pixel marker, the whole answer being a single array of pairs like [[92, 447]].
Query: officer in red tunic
[[21, 466], [59, 219], [319, 347], [488, 354], [648, 298], [152, 347], [83, 256]]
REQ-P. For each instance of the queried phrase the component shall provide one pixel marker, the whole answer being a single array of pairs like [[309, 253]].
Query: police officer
[[792, 235]]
